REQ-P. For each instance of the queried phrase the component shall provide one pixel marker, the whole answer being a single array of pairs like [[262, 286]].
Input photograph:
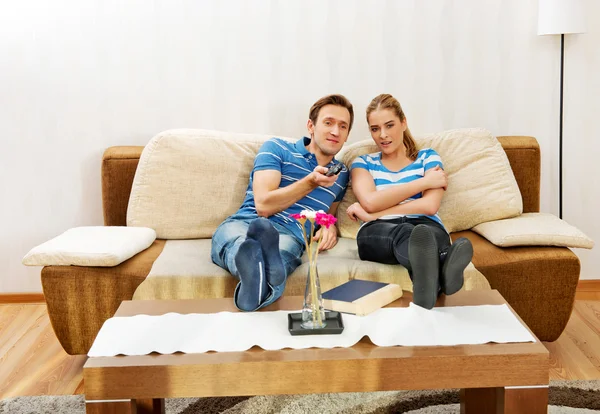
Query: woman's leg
[[435, 265], [454, 257], [385, 241], [424, 256], [412, 244]]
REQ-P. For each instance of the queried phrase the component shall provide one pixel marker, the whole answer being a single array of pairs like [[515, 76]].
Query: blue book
[[360, 297]]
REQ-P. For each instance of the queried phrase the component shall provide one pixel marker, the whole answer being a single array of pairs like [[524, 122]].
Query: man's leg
[[226, 242], [243, 260], [263, 231], [290, 251], [252, 289]]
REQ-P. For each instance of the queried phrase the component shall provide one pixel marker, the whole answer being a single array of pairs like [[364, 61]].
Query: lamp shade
[[561, 17]]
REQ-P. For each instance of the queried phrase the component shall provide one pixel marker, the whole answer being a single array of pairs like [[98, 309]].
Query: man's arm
[[373, 201], [270, 199]]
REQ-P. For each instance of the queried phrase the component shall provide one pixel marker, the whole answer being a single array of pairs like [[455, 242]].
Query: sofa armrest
[[539, 282], [525, 160], [118, 170]]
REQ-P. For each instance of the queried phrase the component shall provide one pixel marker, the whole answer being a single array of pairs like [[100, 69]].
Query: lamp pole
[[560, 131], [561, 17]]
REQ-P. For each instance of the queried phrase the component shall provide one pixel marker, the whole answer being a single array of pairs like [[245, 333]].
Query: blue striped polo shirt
[[294, 162], [427, 158]]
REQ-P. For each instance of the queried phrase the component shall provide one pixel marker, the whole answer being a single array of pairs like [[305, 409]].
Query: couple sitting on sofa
[[399, 190]]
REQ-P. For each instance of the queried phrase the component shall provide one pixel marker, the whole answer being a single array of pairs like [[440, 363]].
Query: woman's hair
[[387, 101]]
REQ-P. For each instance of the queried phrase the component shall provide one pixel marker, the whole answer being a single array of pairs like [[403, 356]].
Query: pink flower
[[324, 219], [298, 216]]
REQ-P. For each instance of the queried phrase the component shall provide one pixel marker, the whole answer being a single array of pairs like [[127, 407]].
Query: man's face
[[331, 130]]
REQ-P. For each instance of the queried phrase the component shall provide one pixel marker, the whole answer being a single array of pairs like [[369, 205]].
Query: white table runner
[[231, 332]]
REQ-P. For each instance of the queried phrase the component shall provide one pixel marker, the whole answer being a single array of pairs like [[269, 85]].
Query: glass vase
[[313, 312]]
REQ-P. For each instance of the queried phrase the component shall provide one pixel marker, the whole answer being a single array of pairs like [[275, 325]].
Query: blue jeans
[[227, 240]]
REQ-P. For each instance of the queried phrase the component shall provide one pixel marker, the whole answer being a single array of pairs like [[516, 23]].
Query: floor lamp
[[560, 17]]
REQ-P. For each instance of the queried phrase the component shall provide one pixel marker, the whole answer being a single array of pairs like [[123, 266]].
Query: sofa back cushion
[[188, 181], [481, 183]]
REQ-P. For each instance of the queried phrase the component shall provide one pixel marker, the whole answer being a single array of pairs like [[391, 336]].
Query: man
[[261, 244]]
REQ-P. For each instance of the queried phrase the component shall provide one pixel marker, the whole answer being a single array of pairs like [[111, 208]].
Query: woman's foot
[[425, 263], [455, 261]]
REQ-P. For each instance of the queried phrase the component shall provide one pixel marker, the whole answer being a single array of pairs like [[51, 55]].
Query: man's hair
[[339, 100]]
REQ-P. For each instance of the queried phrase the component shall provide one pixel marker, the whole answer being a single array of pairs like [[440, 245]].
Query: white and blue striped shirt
[[294, 162], [427, 158]]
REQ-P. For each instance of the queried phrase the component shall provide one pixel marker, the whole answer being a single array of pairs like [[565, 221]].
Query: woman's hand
[[329, 239], [356, 212], [436, 178]]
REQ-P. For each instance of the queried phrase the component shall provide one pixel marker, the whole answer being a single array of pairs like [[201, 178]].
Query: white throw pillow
[[533, 229], [189, 181], [91, 246], [481, 183]]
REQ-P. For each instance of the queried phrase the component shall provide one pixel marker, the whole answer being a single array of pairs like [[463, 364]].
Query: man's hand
[[436, 178], [319, 179], [356, 212], [329, 239]]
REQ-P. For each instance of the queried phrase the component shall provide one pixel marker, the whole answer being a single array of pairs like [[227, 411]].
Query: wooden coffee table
[[494, 378]]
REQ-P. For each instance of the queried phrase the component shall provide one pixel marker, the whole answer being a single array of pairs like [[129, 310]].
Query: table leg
[[530, 400], [151, 406], [513, 400], [110, 407], [480, 400]]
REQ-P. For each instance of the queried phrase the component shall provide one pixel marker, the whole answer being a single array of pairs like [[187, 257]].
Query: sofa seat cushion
[[184, 270]]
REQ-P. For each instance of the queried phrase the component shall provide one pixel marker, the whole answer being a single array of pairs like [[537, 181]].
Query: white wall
[[79, 76], [581, 137]]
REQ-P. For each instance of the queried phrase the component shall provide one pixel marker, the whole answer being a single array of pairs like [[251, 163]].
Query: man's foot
[[455, 261], [263, 232], [425, 263], [253, 283]]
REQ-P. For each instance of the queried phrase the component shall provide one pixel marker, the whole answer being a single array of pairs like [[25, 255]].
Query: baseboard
[[22, 298], [589, 285]]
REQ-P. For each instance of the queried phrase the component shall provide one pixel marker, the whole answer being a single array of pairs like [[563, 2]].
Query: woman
[[399, 190]]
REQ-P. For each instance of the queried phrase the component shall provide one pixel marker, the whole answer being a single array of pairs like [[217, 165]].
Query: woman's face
[[387, 131]]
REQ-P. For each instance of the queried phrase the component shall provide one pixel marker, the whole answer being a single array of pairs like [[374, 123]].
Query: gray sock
[[263, 232], [253, 282]]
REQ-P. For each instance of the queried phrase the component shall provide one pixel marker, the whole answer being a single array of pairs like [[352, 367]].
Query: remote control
[[334, 169]]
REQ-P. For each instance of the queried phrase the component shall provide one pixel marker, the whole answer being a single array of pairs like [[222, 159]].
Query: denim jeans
[[386, 241], [226, 242]]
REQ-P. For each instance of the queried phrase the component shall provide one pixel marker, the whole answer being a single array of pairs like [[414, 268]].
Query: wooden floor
[[33, 363]]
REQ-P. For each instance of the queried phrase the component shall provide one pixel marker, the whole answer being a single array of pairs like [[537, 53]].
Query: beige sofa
[[538, 282]]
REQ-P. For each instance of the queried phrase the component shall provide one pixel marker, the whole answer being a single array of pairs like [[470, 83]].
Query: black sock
[[425, 262], [454, 263]]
